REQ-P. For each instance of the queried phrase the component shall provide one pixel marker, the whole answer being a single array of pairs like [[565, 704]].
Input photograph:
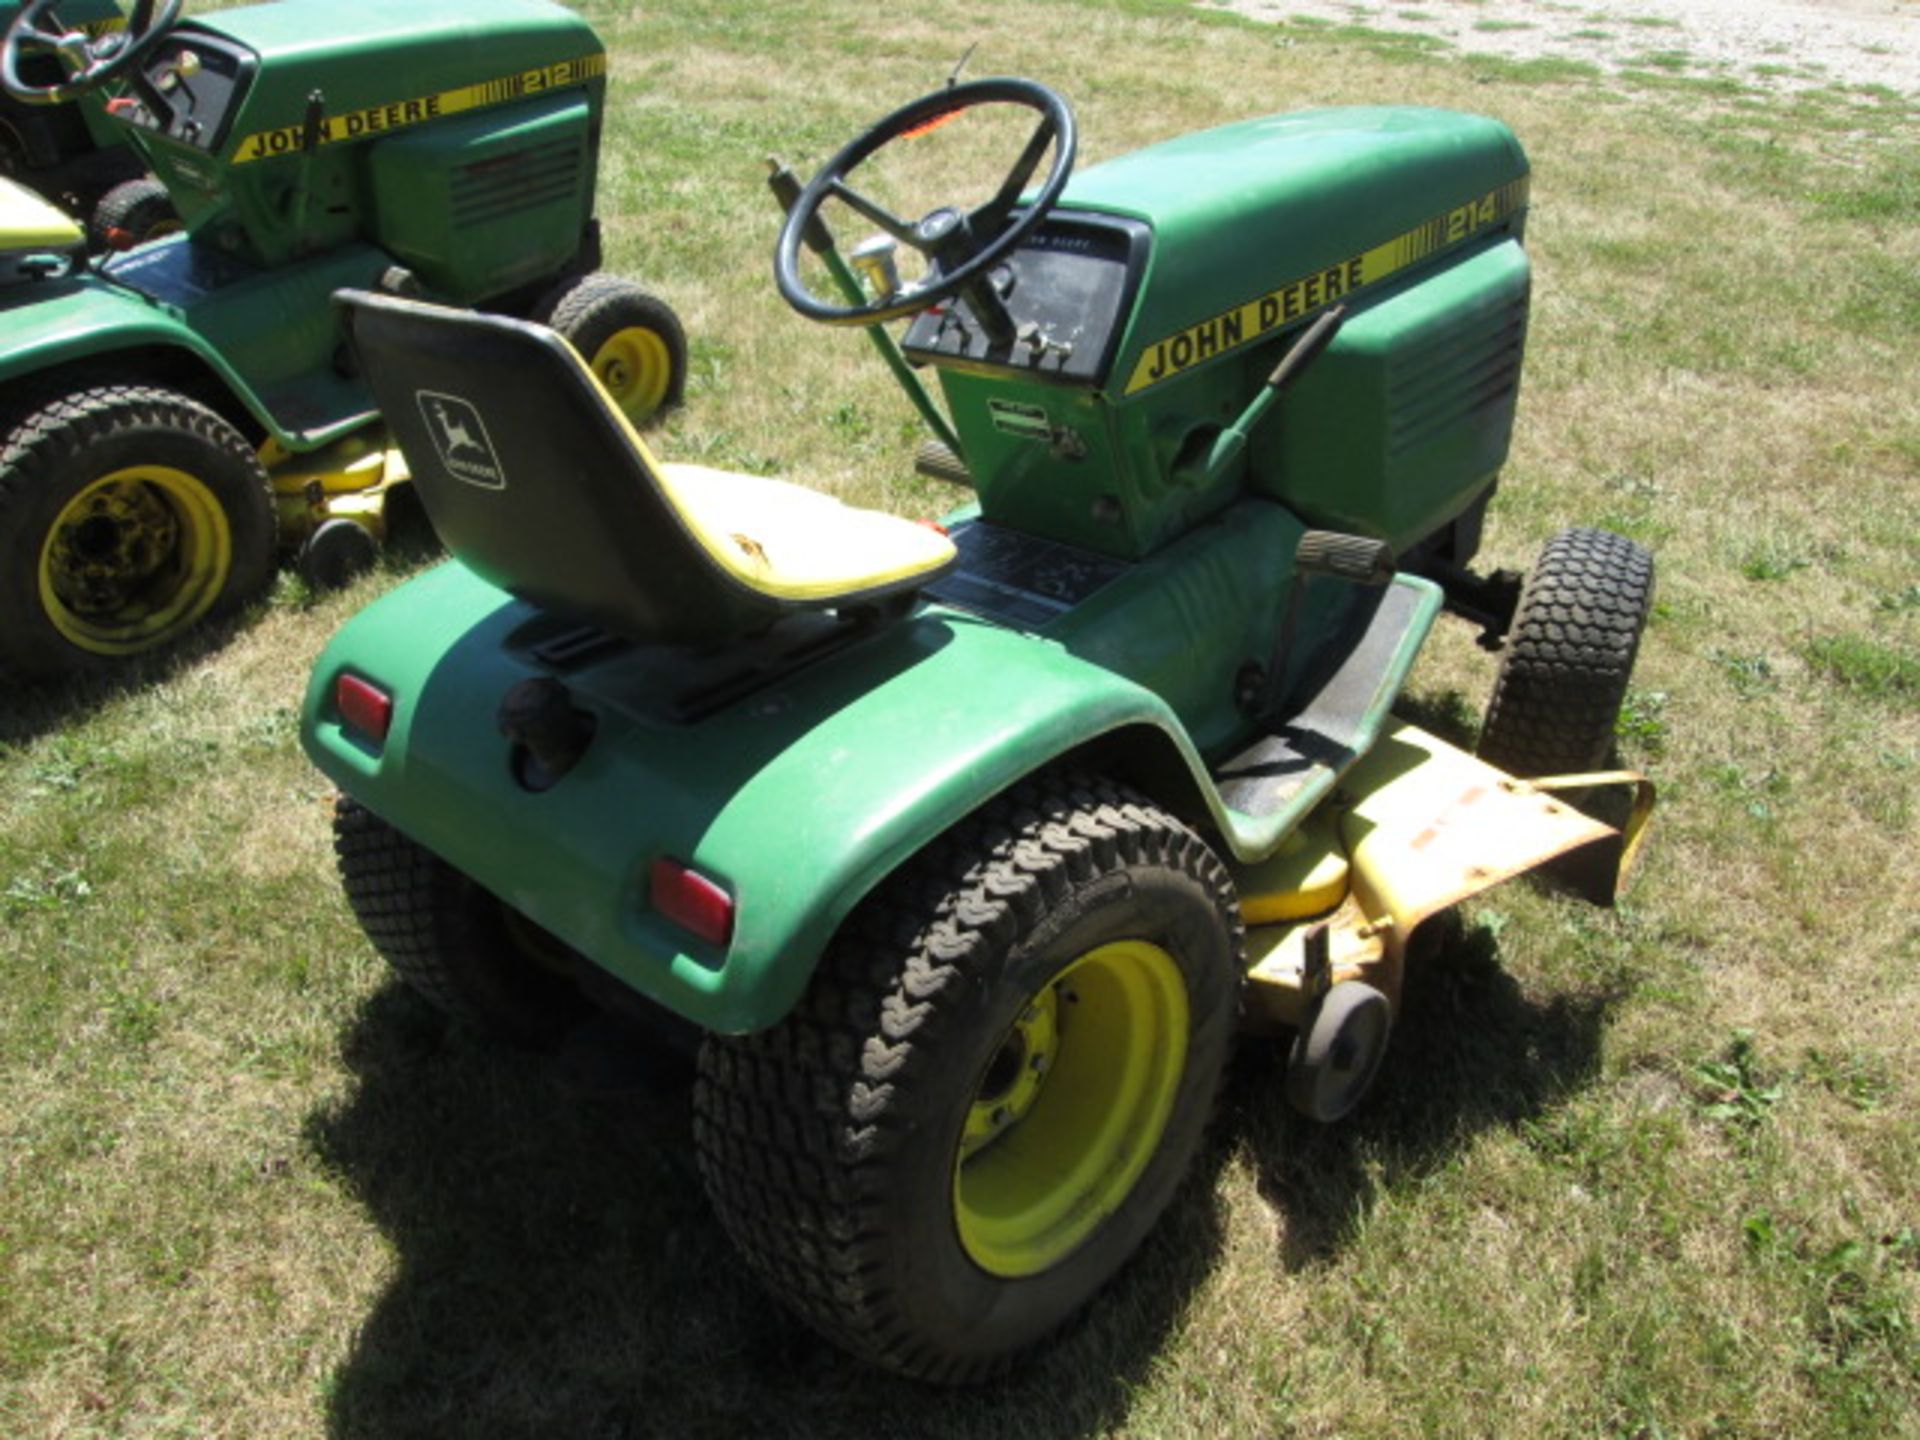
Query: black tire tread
[[431, 924], [134, 206], [792, 1125], [1569, 655]]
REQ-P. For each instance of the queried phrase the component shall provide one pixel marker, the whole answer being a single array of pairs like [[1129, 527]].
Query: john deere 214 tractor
[[963, 852], [173, 416]]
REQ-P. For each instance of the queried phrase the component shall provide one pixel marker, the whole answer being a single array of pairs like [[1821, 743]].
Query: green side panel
[[1183, 622], [798, 800], [275, 332], [1103, 478], [482, 204], [1406, 417], [281, 335]]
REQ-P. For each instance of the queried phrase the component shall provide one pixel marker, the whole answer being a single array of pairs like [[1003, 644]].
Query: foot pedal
[[938, 462]]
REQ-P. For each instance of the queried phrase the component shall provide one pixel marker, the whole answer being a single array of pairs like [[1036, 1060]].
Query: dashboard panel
[[189, 89], [1068, 289]]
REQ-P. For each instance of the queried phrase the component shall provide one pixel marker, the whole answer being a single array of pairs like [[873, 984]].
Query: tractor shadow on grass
[[32, 708], [557, 1273], [1471, 1052]]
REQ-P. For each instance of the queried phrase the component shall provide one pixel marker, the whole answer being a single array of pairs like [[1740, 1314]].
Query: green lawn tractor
[[960, 854], [173, 416], [72, 152]]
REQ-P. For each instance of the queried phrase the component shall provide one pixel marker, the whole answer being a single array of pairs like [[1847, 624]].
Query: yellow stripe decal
[[1261, 316], [399, 114]]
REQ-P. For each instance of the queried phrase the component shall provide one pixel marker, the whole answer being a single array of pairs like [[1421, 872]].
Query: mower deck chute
[[1417, 827]]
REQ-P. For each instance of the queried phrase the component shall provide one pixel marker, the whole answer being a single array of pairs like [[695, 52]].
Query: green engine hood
[[1303, 207]]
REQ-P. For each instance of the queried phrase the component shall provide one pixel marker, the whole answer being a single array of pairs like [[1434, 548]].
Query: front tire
[[999, 1076], [128, 515], [1569, 655], [629, 338]]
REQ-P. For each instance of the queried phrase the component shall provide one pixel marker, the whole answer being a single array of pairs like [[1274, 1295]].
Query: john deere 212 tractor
[[173, 416], [964, 852]]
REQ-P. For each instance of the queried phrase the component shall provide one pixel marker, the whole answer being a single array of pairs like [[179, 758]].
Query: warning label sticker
[[1012, 417]]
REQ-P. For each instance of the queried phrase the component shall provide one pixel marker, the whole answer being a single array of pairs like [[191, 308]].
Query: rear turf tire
[[629, 338], [1569, 655], [470, 954], [128, 515], [987, 1097]]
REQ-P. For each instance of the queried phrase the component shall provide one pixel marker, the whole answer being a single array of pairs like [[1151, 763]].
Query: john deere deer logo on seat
[[461, 438]]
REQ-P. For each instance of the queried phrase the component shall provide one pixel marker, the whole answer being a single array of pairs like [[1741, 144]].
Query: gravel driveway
[[1776, 44]]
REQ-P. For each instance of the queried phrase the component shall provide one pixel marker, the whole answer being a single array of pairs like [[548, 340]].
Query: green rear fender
[[60, 322], [799, 799]]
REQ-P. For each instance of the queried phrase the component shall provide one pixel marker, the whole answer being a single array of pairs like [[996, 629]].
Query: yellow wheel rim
[[635, 367], [1070, 1108], [134, 559]]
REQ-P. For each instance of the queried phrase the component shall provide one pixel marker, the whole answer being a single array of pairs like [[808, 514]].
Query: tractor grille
[[503, 185], [1467, 372]]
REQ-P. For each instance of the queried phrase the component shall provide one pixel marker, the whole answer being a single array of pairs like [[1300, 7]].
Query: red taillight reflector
[[692, 901], [363, 706]]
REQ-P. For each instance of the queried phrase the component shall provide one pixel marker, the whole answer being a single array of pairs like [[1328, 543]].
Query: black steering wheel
[[963, 246], [91, 63]]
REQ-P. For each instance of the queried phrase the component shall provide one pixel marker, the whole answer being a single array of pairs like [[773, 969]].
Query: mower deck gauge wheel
[[999, 1076], [127, 515], [1336, 1057]]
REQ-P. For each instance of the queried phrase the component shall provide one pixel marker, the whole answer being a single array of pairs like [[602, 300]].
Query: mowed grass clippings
[[1647, 1172]]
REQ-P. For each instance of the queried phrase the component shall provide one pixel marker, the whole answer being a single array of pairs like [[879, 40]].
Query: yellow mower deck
[[1417, 827]]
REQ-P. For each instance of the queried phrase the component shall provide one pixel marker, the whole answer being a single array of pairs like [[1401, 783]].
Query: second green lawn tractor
[[961, 853], [174, 416]]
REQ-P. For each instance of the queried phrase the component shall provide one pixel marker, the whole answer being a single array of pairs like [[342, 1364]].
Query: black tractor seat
[[537, 483]]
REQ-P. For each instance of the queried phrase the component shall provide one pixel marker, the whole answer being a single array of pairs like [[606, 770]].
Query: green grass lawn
[[1641, 1173]]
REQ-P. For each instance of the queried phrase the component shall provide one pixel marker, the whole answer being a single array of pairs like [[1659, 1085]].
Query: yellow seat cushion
[[793, 543], [28, 223]]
